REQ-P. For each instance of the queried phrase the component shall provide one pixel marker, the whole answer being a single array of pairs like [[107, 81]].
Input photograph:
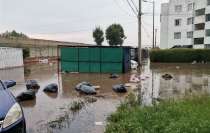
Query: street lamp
[[153, 37]]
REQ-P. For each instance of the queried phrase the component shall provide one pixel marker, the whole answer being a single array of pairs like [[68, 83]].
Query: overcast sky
[[74, 20]]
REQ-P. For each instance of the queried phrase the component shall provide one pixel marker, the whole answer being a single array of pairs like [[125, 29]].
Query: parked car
[[11, 114]]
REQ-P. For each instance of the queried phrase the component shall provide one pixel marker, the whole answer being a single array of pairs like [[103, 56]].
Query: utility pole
[[139, 32], [153, 40]]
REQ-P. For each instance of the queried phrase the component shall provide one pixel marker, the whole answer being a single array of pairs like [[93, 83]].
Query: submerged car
[[11, 114]]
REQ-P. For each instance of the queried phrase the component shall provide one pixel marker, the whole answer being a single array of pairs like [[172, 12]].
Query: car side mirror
[[9, 83]]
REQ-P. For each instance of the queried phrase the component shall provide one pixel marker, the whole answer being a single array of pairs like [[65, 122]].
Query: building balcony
[[199, 33], [199, 19]]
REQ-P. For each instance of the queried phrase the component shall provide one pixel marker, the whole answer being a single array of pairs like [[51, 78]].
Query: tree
[[12, 34], [115, 35], [98, 36]]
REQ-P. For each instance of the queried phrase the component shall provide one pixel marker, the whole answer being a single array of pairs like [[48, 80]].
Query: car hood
[[6, 102]]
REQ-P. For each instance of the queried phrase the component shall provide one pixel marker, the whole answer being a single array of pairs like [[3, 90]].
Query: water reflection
[[187, 80]]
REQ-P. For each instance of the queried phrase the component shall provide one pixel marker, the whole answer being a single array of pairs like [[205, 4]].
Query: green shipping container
[[95, 54], [69, 66], [84, 67], [95, 67], [84, 54], [111, 68], [95, 59], [69, 54], [111, 55]]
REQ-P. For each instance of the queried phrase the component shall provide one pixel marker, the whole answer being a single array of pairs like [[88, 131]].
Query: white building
[[10, 57], [185, 23]]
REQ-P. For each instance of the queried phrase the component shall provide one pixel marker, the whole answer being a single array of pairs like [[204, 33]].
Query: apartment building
[[185, 23]]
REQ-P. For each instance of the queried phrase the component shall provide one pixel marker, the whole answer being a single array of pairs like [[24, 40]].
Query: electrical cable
[[129, 4]]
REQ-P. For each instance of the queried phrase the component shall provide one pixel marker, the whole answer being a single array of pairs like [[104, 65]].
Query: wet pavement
[[51, 113]]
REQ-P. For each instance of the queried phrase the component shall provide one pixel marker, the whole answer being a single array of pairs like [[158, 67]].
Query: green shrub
[[26, 53], [180, 55], [190, 115]]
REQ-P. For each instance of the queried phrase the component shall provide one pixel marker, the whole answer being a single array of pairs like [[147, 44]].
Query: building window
[[190, 34], [200, 26], [178, 8], [190, 21], [200, 12], [177, 35], [207, 46], [178, 22], [190, 6], [199, 41], [208, 32], [208, 2], [207, 17]]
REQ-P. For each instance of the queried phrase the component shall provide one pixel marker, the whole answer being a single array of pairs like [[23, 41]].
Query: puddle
[[51, 113]]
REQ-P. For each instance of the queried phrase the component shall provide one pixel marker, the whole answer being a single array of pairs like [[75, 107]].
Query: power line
[[134, 4], [129, 4], [125, 11]]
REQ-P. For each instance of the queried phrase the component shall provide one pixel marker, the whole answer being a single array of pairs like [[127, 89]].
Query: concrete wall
[[37, 47], [27, 43], [43, 52], [10, 57]]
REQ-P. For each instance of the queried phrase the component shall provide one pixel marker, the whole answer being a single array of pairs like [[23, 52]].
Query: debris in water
[[119, 88], [114, 76], [134, 79], [167, 77], [86, 88], [32, 84], [78, 86], [134, 64], [52, 88], [28, 95]]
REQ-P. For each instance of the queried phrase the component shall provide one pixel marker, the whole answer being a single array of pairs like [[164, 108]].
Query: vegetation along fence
[[180, 55]]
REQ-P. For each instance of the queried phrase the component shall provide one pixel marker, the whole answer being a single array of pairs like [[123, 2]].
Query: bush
[[26, 53], [180, 55]]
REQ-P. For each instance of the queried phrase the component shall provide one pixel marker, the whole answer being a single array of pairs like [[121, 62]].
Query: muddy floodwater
[[52, 114]]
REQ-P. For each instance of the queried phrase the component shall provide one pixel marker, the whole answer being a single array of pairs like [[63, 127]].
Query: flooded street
[[51, 113]]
